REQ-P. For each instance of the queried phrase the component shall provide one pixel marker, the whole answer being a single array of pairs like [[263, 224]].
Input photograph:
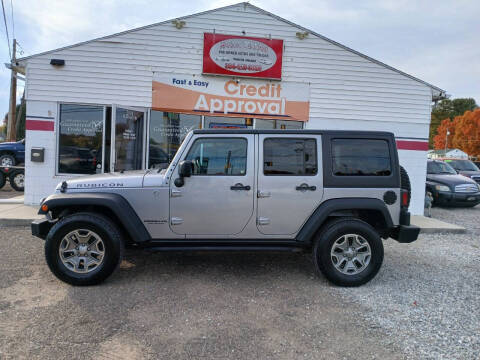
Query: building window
[[166, 133], [219, 156], [220, 122], [290, 156], [360, 157], [80, 139], [278, 124]]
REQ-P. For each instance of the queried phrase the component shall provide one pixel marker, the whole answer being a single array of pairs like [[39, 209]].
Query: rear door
[[290, 182]]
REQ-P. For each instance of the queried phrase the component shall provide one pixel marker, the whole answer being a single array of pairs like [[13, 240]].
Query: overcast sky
[[436, 41]]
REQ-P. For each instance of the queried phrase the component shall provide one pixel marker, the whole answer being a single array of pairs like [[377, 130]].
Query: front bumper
[[456, 199], [41, 227]]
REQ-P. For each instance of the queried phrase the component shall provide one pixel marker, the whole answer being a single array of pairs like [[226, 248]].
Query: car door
[[218, 199], [290, 182]]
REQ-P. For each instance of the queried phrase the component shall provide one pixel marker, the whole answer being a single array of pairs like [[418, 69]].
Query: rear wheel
[[17, 181], [83, 249], [348, 252]]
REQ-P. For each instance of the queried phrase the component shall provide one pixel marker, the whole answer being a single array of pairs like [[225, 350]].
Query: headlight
[[442, 188]]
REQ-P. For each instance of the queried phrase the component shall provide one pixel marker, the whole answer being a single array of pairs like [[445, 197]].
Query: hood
[[470, 173], [127, 179], [9, 143], [447, 179]]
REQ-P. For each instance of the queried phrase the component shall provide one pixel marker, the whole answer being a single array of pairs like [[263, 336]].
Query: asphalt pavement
[[422, 305]]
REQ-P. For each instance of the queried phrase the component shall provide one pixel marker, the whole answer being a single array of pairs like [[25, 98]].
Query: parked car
[[465, 167], [12, 153], [15, 175], [335, 194], [449, 188]]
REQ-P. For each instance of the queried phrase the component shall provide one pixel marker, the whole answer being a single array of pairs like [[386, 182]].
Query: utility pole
[[11, 126], [446, 141]]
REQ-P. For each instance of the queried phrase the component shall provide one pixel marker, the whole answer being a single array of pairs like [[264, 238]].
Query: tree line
[[461, 118]]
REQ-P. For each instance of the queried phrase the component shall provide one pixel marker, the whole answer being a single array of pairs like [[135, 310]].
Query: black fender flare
[[325, 209], [114, 202]]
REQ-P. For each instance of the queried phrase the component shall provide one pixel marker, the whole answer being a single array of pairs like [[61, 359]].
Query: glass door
[[128, 140]]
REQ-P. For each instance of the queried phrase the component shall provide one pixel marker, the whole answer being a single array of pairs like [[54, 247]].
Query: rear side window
[[360, 157], [290, 156]]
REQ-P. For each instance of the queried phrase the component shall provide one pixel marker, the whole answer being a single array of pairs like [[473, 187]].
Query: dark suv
[[465, 167], [12, 153], [449, 188]]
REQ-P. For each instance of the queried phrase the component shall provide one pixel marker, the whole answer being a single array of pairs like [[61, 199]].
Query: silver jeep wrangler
[[335, 194]]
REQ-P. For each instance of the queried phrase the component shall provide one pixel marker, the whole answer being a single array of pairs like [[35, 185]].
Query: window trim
[[363, 176], [289, 138], [223, 138]]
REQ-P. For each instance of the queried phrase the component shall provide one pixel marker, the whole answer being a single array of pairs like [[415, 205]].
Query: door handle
[[305, 187], [240, 187]]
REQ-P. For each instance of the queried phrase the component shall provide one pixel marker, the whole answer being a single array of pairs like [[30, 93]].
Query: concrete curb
[[442, 231], [429, 225], [15, 222], [11, 201]]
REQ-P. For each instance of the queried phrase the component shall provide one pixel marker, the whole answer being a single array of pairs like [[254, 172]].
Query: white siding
[[347, 91]]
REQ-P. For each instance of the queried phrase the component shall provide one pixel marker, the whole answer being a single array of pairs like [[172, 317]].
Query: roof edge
[[441, 94]]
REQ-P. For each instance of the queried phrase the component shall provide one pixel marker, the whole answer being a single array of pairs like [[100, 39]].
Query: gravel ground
[[424, 304]]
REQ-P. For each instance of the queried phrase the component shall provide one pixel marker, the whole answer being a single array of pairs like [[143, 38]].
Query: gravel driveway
[[424, 304]]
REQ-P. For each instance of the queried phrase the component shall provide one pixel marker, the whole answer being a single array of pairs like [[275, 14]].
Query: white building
[[84, 98]]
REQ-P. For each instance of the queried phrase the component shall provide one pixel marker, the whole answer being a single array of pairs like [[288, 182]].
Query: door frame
[[113, 159]]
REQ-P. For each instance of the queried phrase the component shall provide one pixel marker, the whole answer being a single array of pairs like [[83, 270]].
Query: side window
[[360, 157], [289, 156], [219, 156]]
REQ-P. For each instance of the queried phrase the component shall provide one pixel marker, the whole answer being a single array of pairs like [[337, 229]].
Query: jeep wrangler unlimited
[[336, 194]]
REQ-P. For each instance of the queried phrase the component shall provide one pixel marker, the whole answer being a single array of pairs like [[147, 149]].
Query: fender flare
[[114, 202], [324, 210]]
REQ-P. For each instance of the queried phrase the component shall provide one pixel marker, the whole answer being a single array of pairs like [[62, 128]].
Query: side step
[[169, 247]]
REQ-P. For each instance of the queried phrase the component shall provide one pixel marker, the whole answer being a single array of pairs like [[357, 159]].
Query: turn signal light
[[44, 207]]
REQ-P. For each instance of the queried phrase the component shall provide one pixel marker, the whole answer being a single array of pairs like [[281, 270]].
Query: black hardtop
[[343, 133]]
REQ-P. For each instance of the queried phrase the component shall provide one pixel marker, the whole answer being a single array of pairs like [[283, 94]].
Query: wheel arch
[[372, 211], [114, 206]]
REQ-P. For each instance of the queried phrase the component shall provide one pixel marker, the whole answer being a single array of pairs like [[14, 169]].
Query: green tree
[[448, 109]]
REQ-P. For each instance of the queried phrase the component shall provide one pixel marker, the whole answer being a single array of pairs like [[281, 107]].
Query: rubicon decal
[[242, 56], [231, 98]]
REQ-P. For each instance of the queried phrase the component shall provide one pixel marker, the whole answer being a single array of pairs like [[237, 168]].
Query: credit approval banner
[[231, 98], [242, 56]]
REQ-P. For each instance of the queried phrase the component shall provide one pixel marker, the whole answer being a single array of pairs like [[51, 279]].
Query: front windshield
[[463, 165], [438, 167]]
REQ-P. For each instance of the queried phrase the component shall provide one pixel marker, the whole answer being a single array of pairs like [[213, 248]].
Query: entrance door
[[128, 140], [218, 198], [290, 182]]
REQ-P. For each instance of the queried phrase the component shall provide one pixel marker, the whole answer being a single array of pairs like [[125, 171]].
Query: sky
[[436, 41]]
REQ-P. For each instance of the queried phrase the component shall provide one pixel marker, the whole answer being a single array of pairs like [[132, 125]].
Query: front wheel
[[348, 252], [83, 249]]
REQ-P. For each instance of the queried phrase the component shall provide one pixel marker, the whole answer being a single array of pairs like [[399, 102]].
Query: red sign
[[242, 56]]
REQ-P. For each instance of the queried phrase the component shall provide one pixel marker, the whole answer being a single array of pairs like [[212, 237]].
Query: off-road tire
[[97, 223], [405, 183], [13, 181], [3, 180], [326, 238], [10, 158]]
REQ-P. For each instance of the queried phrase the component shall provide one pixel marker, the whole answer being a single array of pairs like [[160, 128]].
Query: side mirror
[[184, 170]]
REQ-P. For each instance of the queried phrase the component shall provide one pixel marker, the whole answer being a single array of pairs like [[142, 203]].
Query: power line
[[6, 30], [13, 19]]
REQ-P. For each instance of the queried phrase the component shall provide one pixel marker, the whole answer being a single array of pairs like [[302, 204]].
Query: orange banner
[[229, 98]]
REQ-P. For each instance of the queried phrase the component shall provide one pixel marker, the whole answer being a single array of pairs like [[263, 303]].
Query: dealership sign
[[242, 56], [227, 97]]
